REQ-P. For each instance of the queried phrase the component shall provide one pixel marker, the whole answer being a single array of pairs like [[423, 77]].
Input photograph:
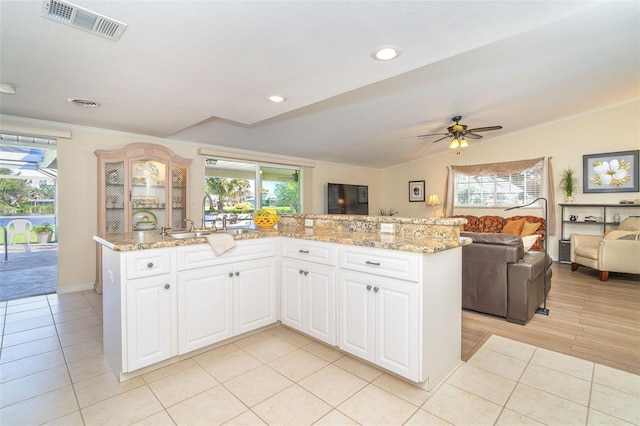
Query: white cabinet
[[139, 305], [205, 307], [164, 302], [309, 299], [254, 295], [308, 286], [379, 321], [221, 297], [150, 327], [401, 310]]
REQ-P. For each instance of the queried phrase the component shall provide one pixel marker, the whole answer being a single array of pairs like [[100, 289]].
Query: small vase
[[568, 199]]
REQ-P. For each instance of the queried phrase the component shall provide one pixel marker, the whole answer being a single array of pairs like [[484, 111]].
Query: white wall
[[566, 141], [324, 173]]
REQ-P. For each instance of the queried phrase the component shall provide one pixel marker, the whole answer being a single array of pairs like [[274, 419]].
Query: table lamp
[[433, 201]]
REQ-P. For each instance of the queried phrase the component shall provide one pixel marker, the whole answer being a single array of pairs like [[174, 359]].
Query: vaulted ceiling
[[200, 71]]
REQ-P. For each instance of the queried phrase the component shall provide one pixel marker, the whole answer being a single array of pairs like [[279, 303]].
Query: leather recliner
[[498, 278]]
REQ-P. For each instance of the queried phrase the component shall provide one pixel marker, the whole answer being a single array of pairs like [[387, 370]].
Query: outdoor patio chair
[[20, 226]]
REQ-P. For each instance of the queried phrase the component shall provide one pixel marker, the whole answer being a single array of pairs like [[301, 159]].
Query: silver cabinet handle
[[237, 273], [150, 265], [301, 271], [369, 287], [306, 273], [303, 251], [368, 262], [167, 286], [231, 274], [376, 289]]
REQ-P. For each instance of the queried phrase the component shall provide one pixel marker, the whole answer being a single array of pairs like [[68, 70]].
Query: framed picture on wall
[[363, 194], [610, 172], [416, 191]]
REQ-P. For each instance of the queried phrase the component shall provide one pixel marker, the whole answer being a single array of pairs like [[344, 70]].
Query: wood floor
[[588, 319]]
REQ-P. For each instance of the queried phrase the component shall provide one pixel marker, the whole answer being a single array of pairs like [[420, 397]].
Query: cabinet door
[[114, 201], [205, 307], [291, 284], [321, 303], [254, 295], [397, 334], [356, 315], [149, 321], [148, 194]]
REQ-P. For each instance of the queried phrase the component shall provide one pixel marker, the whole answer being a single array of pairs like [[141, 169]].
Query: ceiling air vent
[[84, 19]]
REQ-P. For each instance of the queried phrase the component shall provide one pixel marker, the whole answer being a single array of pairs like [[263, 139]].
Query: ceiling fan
[[459, 133]]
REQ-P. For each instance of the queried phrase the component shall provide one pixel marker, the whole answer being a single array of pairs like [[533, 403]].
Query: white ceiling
[[200, 70]]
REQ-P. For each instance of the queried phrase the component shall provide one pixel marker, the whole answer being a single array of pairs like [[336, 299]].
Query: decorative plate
[[144, 220], [146, 171]]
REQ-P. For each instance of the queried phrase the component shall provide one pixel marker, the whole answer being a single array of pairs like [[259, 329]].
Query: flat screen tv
[[347, 199]]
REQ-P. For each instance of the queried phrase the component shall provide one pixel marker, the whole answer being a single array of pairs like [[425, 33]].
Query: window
[[498, 189], [238, 188]]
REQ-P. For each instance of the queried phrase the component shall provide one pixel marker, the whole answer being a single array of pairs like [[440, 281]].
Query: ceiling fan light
[[463, 143], [454, 143]]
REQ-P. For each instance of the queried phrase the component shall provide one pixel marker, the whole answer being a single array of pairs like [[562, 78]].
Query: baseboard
[[74, 288]]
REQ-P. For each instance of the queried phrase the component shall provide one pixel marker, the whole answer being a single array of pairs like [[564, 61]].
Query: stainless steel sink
[[240, 231], [185, 235], [196, 234]]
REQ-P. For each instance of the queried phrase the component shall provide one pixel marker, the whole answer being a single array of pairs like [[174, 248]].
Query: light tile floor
[[52, 371]]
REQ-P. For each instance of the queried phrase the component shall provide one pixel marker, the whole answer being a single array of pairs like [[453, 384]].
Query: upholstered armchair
[[617, 251]]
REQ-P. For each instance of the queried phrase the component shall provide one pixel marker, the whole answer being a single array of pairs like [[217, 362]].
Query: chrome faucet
[[224, 222], [191, 224], [204, 203]]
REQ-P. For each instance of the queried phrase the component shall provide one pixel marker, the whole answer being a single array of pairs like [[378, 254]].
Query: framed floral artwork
[[610, 172], [416, 191]]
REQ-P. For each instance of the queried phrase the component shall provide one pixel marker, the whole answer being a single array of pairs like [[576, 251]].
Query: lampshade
[[463, 143], [433, 200], [454, 143]]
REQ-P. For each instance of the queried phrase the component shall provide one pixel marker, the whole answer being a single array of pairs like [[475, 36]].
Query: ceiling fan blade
[[484, 129], [472, 135], [432, 134], [438, 140]]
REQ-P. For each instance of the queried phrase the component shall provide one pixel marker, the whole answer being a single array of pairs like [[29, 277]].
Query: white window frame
[[503, 189]]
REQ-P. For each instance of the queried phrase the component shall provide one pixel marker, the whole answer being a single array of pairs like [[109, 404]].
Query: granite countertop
[[426, 240]]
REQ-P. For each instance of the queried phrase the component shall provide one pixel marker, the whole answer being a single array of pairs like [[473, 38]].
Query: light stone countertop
[[412, 235]]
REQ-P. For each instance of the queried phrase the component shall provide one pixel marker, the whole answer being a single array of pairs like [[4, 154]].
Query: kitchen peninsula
[[392, 298]]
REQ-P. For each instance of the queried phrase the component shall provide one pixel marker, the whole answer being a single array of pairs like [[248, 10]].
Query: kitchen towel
[[221, 243]]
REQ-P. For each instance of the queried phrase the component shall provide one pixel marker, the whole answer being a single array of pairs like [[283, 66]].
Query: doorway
[[28, 216]]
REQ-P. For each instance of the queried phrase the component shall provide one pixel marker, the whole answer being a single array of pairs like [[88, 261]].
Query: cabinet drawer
[[311, 251], [201, 255], [388, 263], [147, 263]]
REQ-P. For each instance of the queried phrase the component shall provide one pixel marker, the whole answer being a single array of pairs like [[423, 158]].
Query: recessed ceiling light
[[276, 98], [84, 103], [7, 89], [386, 53]]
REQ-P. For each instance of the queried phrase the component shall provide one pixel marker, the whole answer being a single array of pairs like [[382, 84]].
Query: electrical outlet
[[386, 227], [308, 223]]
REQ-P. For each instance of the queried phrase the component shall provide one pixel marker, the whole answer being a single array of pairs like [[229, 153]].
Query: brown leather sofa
[[495, 224], [498, 278]]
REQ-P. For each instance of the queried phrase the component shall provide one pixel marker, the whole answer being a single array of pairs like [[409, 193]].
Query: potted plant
[[43, 232], [388, 212], [568, 183]]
